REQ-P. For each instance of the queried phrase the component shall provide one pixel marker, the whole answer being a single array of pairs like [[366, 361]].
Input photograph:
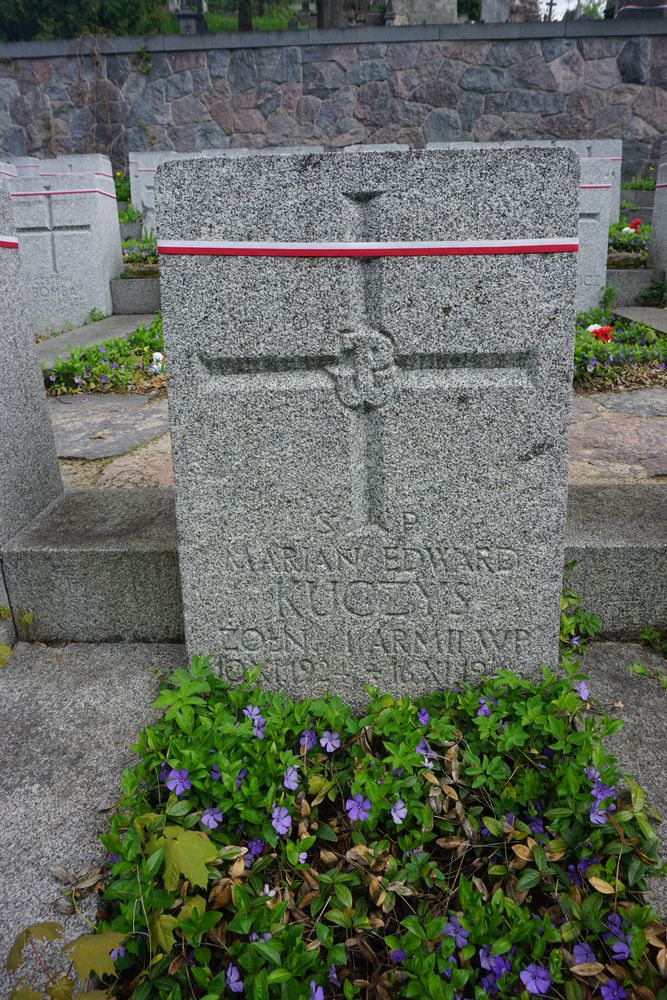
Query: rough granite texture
[[70, 245], [340, 93], [29, 476], [67, 718], [99, 565], [618, 537], [641, 745], [657, 253], [370, 456], [7, 627]]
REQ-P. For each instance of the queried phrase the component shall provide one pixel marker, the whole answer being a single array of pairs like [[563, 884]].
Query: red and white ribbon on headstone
[[54, 194], [415, 248], [9, 243]]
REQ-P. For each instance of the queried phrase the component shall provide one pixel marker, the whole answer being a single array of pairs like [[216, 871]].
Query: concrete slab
[[98, 566], [630, 281], [99, 425], [91, 333], [618, 537], [67, 718], [651, 315], [641, 744]]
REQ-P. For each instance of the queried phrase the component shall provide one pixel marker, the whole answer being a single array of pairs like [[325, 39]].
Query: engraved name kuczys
[[383, 605]]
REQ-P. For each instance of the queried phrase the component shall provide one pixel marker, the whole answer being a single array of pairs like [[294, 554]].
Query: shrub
[[143, 251], [122, 184], [634, 241]]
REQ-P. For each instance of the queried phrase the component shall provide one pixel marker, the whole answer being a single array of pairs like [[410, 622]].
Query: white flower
[[593, 327], [157, 357], [157, 368], [627, 229]]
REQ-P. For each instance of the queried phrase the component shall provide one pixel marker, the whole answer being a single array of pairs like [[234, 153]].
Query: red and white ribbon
[[444, 248], [594, 187], [53, 194], [67, 173], [9, 243]]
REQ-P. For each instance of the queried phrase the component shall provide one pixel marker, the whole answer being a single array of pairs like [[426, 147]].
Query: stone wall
[[411, 85]]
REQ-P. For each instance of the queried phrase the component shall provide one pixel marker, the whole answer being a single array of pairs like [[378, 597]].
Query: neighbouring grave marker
[[657, 253], [29, 474], [369, 390], [70, 245], [594, 192]]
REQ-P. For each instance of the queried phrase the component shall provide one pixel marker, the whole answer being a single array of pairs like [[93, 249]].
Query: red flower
[[635, 224], [604, 334]]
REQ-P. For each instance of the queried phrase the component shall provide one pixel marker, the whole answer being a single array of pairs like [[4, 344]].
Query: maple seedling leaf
[[186, 852], [92, 953], [162, 931], [49, 931]]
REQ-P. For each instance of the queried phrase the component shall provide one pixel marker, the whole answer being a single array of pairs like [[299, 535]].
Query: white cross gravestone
[[29, 471], [594, 206], [70, 245], [369, 390]]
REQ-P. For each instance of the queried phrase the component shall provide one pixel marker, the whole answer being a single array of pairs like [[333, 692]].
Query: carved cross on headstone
[[52, 229], [367, 373]]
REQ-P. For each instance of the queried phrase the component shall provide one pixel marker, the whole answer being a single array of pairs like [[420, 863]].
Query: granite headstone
[[29, 471], [370, 451], [657, 252], [70, 245], [594, 203], [144, 165]]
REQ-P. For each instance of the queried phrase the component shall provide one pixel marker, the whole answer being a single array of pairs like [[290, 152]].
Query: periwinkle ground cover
[[474, 842], [613, 345], [119, 364]]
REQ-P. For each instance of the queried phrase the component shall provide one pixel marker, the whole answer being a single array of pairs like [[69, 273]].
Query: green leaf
[[49, 931], [154, 863], [280, 976], [501, 946], [25, 993], [269, 951], [572, 990], [92, 953], [260, 986], [186, 852], [344, 896], [5, 653], [528, 879]]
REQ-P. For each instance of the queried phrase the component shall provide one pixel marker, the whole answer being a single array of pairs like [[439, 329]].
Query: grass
[[273, 20]]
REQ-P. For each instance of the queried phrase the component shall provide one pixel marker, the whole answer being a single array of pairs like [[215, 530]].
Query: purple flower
[[424, 749], [212, 818], [308, 738], [484, 707], [255, 848], [178, 781], [281, 821], [454, 928], [399, 811], [303, 857], [118, 952], [423, 716], [104, 379], [215, 773], [611, 990], [330, 741], [358, 808], [537, 825], [582, 690], [78, 380], [536, 979], [333, 976], [575, 641], [258, 728], [583, 953], [252, 712], [261, 937], [592, 774], [52, 378], [238, 781], [164, 770], [598, 816], [316, 992], [233, 979], [489, 984], [291, 779], [397, 956], [112, 858], [102, 349]]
